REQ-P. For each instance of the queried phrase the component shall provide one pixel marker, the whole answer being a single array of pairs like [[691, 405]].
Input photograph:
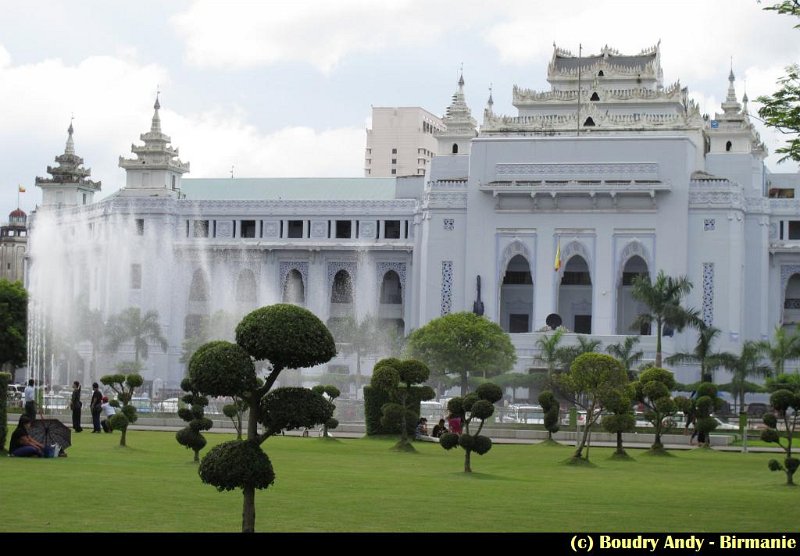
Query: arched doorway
[[294, 290], [516, 296], [629, 308], [342, 295], [197, 306], [575, 296]]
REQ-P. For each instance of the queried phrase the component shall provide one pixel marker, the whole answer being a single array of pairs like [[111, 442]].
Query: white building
[[612, 168], [401, 142]]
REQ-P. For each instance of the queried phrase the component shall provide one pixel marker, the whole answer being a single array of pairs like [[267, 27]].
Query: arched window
[[342, 289], [391, 291], [294, 290], [628, 308], [575, 296], [198, 291], [246, 288], [455, 148]]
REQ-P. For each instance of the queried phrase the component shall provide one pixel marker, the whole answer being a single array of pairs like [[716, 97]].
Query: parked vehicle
[[522, 413]]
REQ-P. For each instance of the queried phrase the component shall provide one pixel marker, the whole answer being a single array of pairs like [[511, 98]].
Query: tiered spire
[[70, 167], [156, 153], [731, 105], [458, 119]]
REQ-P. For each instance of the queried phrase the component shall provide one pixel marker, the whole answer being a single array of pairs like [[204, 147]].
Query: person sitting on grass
[[439, 429], [22, 443], [421, 432]]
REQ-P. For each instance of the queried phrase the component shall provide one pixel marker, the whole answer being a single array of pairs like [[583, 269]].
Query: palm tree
[[586, 344], [550, 351], [143, 330], [747, 364], [702, 354], [782, 348], [624, 352], [663, 298]]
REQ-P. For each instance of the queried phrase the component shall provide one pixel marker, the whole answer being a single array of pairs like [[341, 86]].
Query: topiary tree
[[124, 386], [782, 402], [191, 436], [621, 418], [235, 412], [288, 337], [551, 410], [653, 391], [476, 405], [401, 380], [331, 393], [5, 379], [701, 410], [593, 380]]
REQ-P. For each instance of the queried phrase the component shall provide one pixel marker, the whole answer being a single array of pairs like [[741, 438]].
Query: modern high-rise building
[[401, 142]]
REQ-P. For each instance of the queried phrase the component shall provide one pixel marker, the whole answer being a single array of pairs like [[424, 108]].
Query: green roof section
[[289, 189]]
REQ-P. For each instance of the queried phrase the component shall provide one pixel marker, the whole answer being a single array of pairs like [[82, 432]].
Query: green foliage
[[119, 421], [191, 439], [786, 405], [221, 368], [466, 441], [489, 392], [482, 409], [13, 323], [621, 422], [785, 381], [229, 410], [464, 344], [481, 444], [130, 413], [413, 371], [551, 410], [294, 408], [770, 420], [237, 464], [194, 416], [653, 390], [5, 379], [331, 423], [781, 111], [143, 330], [448, 440], [331, 391], [287, 336], [374, 400], [456, 406], [385, 378], [399, 380]]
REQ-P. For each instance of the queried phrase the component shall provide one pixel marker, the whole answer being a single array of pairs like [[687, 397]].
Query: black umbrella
[[51, 431]]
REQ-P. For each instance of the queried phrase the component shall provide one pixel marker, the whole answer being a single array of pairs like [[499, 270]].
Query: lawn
[[361, 485]]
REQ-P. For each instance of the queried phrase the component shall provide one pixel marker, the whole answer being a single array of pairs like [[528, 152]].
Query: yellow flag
[[557, 263], [21, 189]]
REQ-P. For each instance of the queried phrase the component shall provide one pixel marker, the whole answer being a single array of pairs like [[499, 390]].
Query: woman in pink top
[[454, 424]]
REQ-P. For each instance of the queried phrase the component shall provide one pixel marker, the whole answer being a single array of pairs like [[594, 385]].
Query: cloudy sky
[[284, 88]]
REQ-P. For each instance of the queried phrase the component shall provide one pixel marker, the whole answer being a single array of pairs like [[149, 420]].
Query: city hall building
[[610, 174]]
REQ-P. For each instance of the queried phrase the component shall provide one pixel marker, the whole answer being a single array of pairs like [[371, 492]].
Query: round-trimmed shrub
[[466, 441], [490, 392], [332, 423], [134, 380], [287, 336], [294, 408], [237, 464], [456, 405], [770, 420], [118, 421], [770, 435], [185, 413], [221, 368], [448, 440], [791, 464], [202, 424], [481, 444], [413, 371], [230, 411], [193, 440], [482, 409], [706, 389], [468, 400], [129, 412], [774, 465], [385, 378]]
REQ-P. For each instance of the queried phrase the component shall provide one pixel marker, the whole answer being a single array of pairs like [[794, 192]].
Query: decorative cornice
[[441, 200]]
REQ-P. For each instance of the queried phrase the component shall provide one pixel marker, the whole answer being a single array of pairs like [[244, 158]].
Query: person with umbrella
[[22, 443], [75, 405]]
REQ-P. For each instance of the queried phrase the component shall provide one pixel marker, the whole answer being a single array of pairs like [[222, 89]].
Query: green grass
[[362, 485]]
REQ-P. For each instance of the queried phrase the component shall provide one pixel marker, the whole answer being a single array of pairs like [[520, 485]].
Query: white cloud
[[317, 32]]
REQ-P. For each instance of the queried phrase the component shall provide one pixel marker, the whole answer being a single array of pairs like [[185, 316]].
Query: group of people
[[421, 432], [98, 406]]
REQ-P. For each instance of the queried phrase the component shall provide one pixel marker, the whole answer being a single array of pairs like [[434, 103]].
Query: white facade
[[619, 173], [401, 142]]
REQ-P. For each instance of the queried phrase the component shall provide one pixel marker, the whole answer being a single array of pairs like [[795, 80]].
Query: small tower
[[156, 171], [13, 243], [68, 186], [732, 132], [460, 126]]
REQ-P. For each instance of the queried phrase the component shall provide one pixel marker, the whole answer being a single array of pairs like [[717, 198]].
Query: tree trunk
[[467, 467], [620, 449], [403, 423], [197, 456], [249, 510], [657, 444], [122, 438], [249, 493], [658, 343]]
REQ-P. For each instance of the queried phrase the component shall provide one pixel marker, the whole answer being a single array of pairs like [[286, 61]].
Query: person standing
[[75, 405], [30, 400], [95, 406]]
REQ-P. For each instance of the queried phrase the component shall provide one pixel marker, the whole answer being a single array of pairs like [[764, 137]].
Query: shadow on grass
[[405, 447], [658, 452], [621, 457], [578, 462], [484, 476]]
